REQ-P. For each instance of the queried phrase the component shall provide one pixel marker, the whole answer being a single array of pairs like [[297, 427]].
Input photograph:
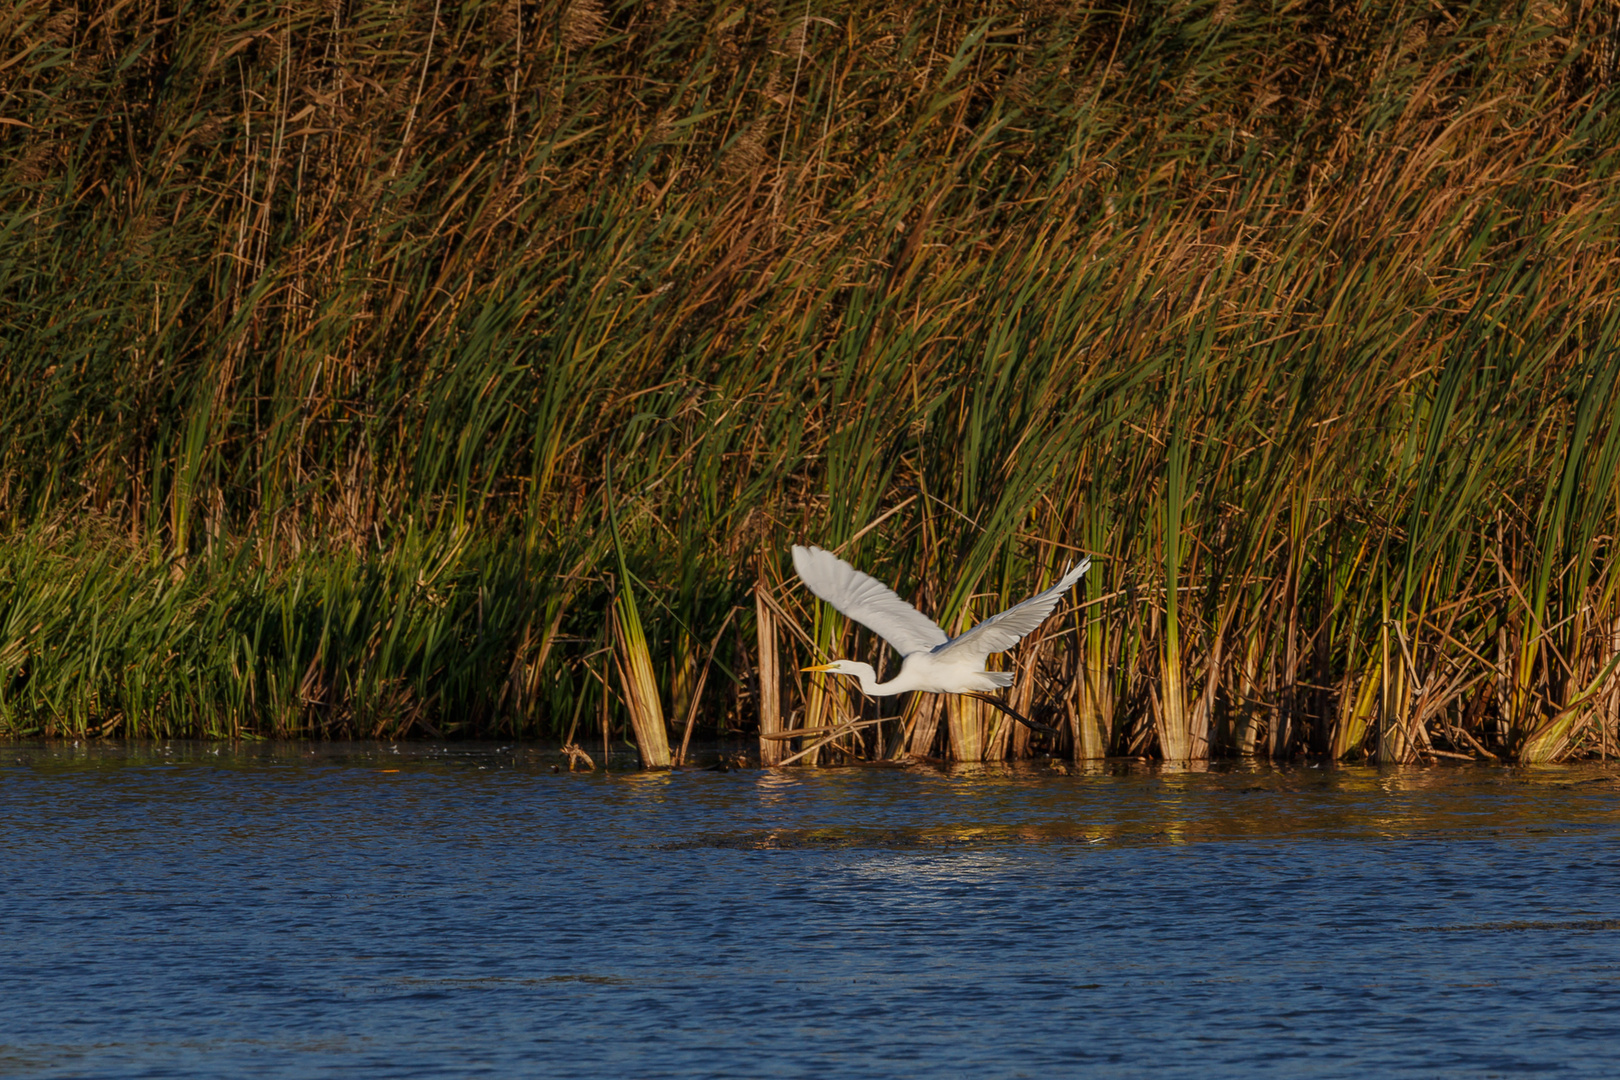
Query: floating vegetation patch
[[932, 838], [1564, 925], [496, 981]]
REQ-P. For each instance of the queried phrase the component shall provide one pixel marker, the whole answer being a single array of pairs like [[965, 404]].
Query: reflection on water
[[197, 910]]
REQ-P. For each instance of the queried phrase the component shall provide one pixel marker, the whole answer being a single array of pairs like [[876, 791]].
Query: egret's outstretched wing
[[1001, 632], [866, 600]]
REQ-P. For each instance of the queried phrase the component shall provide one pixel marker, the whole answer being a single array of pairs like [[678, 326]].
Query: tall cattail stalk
[[633, 661], [1179, 737], [965, 722], [632, 656], [920, 726], [771, 749]]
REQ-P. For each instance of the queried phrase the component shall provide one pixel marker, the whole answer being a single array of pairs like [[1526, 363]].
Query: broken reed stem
[[838, 731]]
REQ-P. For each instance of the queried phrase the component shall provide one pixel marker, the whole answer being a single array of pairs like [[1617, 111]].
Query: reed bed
[[321, 322]]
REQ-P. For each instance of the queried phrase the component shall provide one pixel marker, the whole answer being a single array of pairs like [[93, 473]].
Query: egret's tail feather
[[999, 679]]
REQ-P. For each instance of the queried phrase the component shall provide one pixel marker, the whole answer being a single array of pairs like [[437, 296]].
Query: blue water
[[464, 911]]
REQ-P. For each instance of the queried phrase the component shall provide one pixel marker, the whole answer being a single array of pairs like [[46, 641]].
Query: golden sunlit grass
[[318, 323]]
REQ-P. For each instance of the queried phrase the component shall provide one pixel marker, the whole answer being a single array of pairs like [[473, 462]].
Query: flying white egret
[[931, 660]]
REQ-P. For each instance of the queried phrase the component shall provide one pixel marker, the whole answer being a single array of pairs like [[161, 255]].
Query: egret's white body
[[931, 661]]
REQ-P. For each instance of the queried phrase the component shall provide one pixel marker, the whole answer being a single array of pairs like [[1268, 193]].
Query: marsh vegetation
[[322, 326]]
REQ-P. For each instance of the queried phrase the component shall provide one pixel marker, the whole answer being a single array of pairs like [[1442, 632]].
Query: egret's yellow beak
[[818, 667]]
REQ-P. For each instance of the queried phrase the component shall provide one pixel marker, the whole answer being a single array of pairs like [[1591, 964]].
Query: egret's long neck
[[871, 687], [868, 679]]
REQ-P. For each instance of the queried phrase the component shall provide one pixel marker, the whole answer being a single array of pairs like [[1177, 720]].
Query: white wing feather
[[1001, 632], [868, 601]]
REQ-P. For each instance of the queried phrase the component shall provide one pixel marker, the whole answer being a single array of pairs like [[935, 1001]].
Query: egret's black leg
[[1004, 707]]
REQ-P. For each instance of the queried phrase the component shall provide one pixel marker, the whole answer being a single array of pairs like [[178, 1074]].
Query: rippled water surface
[[293, 910]]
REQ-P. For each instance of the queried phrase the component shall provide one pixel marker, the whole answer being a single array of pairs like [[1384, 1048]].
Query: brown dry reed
[[318, 321]]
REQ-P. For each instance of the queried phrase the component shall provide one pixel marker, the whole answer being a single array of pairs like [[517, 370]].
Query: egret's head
[[838, 667]]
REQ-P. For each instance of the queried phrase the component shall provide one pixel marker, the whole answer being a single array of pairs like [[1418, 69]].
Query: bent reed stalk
[[1301, 321]]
